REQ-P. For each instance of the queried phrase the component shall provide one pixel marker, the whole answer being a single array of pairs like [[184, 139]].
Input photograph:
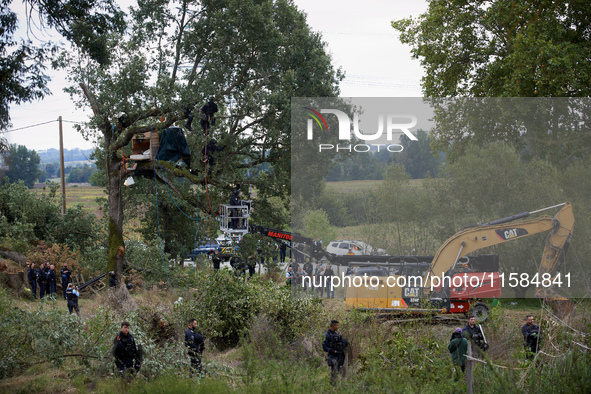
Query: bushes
[[226, 305], [45, 334], [26, 219]]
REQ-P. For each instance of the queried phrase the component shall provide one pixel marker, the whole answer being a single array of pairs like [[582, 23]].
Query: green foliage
[[168, 383], [418, 158], [21, 67], [60, 334], [502, 48], [505, 48], [81, 174], [27, 219], [171, 221], [358, 166], [266, 59], [226, 306], [317, 225], [22, 165], [147, 260], [85, 23]]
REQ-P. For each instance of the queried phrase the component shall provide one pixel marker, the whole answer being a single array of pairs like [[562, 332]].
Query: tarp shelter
[[174, 146]]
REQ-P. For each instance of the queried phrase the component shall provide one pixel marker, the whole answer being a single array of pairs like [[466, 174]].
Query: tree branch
[[14, 256], [143, 129]]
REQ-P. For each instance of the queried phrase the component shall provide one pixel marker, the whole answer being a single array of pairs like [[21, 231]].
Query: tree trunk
[[115, 206], [113, 168]]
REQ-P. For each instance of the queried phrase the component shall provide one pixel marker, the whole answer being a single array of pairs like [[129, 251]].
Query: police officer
[[66, 275], [32, 275], [216, 259], [531, 337], [126, 352], [51, 280], [282, 252], [42, 280], [334, 345], [72, 295], [195, 345], [112, 279], [473, 333]]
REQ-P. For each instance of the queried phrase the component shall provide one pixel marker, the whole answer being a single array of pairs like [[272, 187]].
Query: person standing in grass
[[32, 274], [126, 352], [328, 274], [51, 281], [195, 345], [531, 337], [458, 347], [334, 345], [72, 295], [66, 275]]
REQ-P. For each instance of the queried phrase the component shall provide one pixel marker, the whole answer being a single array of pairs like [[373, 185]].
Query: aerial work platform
[[234, 219]]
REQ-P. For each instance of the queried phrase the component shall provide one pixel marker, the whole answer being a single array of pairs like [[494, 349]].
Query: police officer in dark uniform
[[195, 345], [72, 295], [334, 345], [42, 280], [112, 279], [531, 337], [282, 252], [473, 333], [32, 275], [126, 352], [216, 259], [66, 275], [51, 281]]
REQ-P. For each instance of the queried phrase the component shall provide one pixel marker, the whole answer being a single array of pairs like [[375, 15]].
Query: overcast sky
[[359, 38]]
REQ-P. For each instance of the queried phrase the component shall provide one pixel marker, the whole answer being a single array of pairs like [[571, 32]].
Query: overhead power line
[[41, 124], [28, 127]]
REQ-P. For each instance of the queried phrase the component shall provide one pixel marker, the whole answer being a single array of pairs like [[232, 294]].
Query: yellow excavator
[[441, 288]]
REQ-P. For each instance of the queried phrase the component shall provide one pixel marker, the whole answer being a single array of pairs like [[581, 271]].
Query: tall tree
[[417, 157], [251, 66], [85, 23], [23, 165], [506, 48]]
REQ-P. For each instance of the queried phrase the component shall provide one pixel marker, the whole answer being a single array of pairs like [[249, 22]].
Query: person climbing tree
[[208, 152], [208, 114]]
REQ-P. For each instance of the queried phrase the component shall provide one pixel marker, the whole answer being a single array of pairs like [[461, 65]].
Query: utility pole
[[62, 174]]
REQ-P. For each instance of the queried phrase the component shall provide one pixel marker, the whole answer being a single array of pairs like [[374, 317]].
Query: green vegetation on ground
[[275, 344]]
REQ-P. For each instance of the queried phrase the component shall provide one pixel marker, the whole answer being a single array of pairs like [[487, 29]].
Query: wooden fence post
[[470, 371]]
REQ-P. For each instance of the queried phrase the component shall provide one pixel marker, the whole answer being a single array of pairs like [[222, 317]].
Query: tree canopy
[[85, 23], [23, 165], [502, 48], [506, 48], [173, 58]]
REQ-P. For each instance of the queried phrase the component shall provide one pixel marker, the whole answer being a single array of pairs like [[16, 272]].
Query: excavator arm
[[560, 229]]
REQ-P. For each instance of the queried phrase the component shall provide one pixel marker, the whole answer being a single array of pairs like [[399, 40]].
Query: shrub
[[226, 306]]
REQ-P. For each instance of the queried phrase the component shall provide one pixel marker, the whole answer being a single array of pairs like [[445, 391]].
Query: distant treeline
[[416, 158], [76, 154], [74, 173]]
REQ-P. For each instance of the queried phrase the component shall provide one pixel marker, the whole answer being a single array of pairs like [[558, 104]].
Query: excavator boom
[[503, 230]]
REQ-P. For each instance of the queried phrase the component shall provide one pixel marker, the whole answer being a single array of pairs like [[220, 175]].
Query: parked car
[[341, 248], [207, 248], [224, 246]]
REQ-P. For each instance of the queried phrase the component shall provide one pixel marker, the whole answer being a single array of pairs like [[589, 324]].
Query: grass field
[[83, 195]]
